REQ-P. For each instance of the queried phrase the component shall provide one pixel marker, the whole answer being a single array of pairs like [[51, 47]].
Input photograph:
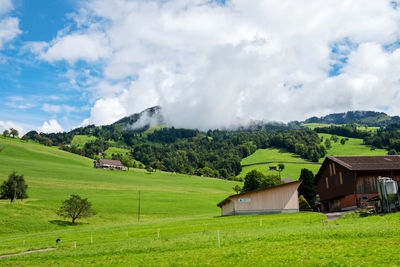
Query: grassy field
[[353, 147], [179, 224], [272, 154], [81, 140]]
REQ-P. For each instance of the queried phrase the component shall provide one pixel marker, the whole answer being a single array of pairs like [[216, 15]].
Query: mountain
[[143, 120], [368, 118]]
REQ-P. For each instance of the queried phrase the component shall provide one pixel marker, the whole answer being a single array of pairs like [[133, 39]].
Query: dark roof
[[110, 162], [287, 180], [220, 204], [368, 163]]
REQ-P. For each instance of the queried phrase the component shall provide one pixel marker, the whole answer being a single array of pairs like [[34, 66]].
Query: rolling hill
[[179, 223]]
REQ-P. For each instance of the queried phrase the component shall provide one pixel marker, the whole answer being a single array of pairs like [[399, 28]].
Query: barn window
[[330, 169], [333, 167], [327, 183], [340, 178]]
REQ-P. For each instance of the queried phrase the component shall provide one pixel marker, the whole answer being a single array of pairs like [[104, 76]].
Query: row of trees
[[10, 133]]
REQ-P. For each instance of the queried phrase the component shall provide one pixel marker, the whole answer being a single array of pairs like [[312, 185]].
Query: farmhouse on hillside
[[350, 182], [281, 198], [109, 164]]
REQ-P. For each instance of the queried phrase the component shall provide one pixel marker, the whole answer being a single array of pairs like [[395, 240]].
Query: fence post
[[158, 233], [219, 243], [74, 244]]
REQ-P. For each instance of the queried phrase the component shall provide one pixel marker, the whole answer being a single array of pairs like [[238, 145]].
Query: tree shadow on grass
[[66, 223]]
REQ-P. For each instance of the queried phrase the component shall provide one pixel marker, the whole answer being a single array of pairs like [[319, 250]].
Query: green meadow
[[81, 140], [179, 222], [352, 147]]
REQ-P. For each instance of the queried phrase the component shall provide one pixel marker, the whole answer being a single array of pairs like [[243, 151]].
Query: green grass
[[182, 208], [312, 126], [353, 147], [81, 140], [272, 154]]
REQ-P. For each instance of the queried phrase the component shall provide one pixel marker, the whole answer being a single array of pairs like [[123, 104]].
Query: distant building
[[281, 198], [350, 182], [272, 168], [109, 164]]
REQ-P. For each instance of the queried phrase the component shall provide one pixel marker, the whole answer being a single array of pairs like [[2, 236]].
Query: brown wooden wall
[[330, 171], [366, 181]]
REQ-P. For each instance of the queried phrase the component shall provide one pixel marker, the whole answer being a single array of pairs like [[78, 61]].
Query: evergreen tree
[[308, 188]]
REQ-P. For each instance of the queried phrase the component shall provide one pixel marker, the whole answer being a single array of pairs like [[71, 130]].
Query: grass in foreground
[[179, 207]]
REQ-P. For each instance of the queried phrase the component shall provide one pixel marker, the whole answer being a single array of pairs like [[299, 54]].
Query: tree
[[127, 162], [281, 167], [237, 189], [392, 152], [328, 143], [343, 141], [13, 132], [303, 204], [252, 181], [256, 180], [14, 187], [307, 187], [270, 180], [75, 208], [6, 133]]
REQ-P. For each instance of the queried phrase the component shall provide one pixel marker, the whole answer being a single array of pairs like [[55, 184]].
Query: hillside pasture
[[352, 147], [179, 221], [80, 140]]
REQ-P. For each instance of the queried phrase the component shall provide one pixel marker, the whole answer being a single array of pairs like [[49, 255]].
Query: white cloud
[[5, 6], [58, 108], [9, 26], [106, 111], [212, 65], [89, 47], [51, 126], [51, 108]]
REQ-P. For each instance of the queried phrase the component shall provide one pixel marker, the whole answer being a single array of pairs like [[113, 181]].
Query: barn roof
[[110, 162], [368, 163], [226, 200]]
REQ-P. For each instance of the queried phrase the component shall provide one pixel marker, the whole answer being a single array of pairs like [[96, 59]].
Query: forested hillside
[[142, 139]]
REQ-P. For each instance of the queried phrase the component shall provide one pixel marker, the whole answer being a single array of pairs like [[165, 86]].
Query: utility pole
[[15, 190], [138, 218]]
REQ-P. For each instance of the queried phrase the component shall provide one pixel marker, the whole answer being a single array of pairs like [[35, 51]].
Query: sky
[[207, 63]]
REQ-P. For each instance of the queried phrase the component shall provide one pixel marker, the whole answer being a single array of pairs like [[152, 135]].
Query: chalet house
[[281, 198], [109, 164], [349, 182]]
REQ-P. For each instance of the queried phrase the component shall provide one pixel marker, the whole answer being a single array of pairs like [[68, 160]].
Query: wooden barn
[[281, 198], [109, 164], [349, 182]]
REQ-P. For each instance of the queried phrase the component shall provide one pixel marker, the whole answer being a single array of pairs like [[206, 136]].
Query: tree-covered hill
[[368, 118]]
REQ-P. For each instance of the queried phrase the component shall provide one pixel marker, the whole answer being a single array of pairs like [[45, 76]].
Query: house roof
[[368, 163], [110, 162], [287, 180], [226, 200]]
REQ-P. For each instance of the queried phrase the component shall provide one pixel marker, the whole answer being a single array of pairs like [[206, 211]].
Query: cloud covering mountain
[[216, 64]]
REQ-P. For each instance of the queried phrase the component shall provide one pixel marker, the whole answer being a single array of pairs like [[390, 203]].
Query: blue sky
[[209, 64]]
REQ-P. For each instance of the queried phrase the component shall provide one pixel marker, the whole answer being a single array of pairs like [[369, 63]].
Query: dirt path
[[291, 162], [28, 252], [335, 215]]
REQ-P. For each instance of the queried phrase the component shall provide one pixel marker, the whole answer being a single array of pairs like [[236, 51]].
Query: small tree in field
[[14, 187], [281, 167], [6, 133], [237, 189], [75, 208], [13, 132]]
